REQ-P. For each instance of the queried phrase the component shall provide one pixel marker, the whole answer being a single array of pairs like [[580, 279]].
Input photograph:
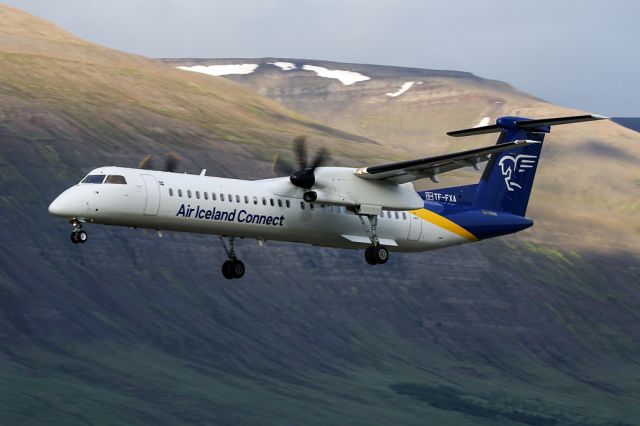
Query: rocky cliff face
[[133, 329]]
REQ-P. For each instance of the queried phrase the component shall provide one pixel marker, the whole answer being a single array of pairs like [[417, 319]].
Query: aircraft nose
[[63, 206], [55, 207]]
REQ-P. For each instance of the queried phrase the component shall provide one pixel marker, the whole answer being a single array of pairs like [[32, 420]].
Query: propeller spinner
[[303, 176]]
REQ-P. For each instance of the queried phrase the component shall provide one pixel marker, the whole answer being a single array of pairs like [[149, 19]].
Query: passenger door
[[415, 227], [153, 195]]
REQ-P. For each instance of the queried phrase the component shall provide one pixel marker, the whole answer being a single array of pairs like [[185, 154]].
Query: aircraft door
[[152, 204], [415, 227]]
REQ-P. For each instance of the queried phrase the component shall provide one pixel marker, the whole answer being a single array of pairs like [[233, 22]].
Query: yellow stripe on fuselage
[[445, 223]]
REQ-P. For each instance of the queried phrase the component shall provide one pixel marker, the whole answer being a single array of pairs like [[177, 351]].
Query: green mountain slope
[[133, 329]]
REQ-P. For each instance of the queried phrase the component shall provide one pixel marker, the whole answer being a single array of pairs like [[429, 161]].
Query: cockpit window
[[93, 179], [116, 179]]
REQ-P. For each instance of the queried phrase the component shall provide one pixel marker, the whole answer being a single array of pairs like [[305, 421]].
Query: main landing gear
[[232, 268], [78, 236], [375, 254]]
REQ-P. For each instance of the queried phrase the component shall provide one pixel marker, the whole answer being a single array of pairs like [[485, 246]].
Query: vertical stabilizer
[[507, 180]]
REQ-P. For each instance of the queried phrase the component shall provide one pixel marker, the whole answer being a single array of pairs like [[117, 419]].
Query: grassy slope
[[132, 329]]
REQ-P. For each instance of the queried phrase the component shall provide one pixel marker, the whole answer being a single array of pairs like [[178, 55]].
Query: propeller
[[171, 162], [302, 176]]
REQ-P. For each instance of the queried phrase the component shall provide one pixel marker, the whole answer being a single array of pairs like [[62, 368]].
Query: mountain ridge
[[135, 329]]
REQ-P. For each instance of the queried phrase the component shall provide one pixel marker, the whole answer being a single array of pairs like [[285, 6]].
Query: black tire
[[237, 269], [381, 254], [227, 270], [74, 238], [82, 237], [369, 257]]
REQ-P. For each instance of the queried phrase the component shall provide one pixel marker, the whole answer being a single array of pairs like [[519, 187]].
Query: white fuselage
[[270, 209]]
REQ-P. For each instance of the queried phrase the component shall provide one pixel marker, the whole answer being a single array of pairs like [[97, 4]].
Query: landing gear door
[[152, 204], [415, 227]]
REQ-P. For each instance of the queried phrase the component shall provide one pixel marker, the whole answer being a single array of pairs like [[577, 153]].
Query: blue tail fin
[[507, 180]]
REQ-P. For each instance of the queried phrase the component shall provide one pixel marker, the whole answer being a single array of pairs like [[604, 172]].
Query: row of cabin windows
[[272, 202], [231, 198]]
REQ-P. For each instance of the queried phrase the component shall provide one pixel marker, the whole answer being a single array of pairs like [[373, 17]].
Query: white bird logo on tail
[[520, 163]]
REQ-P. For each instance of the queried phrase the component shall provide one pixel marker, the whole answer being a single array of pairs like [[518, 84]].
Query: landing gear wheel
[[381, 254], [368, 255], [227, 271], [233, 269], [376, 255], [79, 237], [82, 237], [237, 267]]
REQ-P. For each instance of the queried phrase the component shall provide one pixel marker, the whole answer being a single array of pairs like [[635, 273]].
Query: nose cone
[[56, 207], [65, 205]]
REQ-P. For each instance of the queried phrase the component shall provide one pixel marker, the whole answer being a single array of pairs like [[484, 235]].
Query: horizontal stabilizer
[[540, 125]]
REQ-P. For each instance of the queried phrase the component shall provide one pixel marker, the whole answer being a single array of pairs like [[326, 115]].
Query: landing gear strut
[[376, 253], [232, 268], [78, 235]]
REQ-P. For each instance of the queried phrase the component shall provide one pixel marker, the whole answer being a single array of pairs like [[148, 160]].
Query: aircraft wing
[[430, 167]]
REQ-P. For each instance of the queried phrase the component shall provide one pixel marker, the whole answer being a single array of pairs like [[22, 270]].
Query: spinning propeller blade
[[303, 175], [171, 162]]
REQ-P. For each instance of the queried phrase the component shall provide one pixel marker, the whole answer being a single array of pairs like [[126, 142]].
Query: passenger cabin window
[[93, 179], [237, 198], [302, 205], [230, 198], [179, 192], [116, 179], [264, 201], [396, 214], [188, 193], [198, 195], [279, 202], [170, 192], [246, 199], [288, 203], [404, 216], [206, 195], [213, 196], [255, 200], [221, 197]]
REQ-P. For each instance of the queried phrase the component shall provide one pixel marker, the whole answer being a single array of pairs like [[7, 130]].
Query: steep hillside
[[588, 179], [137, 330]]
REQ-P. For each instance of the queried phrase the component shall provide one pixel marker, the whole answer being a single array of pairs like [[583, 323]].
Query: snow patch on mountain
[[406, 86], [484, 122], [219, 70], [284, 66], [346, 77]]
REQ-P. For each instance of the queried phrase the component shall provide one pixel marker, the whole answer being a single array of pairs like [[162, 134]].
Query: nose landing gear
[[78, 236], [232, 268]]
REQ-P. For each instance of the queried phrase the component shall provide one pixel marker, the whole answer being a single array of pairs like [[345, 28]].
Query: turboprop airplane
[[374, 208]]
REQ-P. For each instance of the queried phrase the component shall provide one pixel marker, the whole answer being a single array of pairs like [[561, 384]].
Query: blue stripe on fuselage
[[481, 223]]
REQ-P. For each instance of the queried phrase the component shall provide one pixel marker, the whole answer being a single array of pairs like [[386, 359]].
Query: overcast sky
[[582, 54]]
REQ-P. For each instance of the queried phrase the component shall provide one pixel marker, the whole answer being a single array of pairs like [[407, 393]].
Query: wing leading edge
[[430, 167]]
